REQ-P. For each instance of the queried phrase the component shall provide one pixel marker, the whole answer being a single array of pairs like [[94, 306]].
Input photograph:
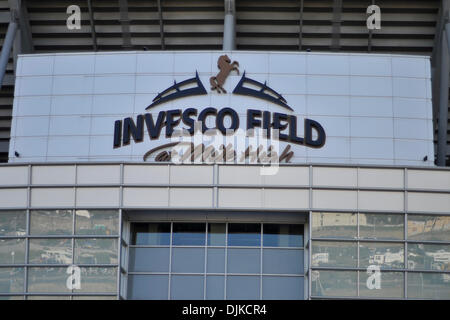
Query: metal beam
[[300, 34], [337, 14], [125, 22], [92, 23], [7, 44], [443, 97], [229, 26], [369, 40], [161, 26]]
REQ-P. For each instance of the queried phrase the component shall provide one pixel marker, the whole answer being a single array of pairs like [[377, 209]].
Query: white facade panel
[[52, 197], [13, 175], [354, 97]]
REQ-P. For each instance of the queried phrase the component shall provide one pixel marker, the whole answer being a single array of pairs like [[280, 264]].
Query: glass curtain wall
[[375, 255], [216, 261], [59, 254]]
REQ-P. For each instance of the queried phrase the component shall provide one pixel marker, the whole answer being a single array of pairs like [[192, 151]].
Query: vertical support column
[[443, 97], [300, 34], [229, 27], [161, 26], [92, 23], [7, 45], [337, 13], [125, 22]]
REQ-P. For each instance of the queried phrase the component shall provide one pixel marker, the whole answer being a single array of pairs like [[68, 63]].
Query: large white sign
[[315, 108]]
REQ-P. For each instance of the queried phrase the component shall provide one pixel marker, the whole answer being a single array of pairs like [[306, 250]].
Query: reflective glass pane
[[429, 256], [283, 235], [429, 285], [243, 287], [334, 225], [12, 251], [381, 226], [189, 234], [216, 234], [216, 260], [48, 298], [94, 298], [148, 287], [421, 227], [385, 255], [95, 279], [149, 259], [287, 261], [151, 234], [51, 222], [334, 254], [186, 287], [215, 286], [333, 283], [11, 298], [96, 251], [188, 260], [11, 280], [12, 223], [244, 234], [244, 261], [93, 222], [50, 251], [283, 288], [391, 285], [48, 279]]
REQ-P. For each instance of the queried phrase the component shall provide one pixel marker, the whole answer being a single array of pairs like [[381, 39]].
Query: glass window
[[11, 280], [216, 234], [429, 256], [244, 261], [94, 298], [48, 279], [94, 222], [287, 261], [48, 298], [150, 234], [188, 260], [334, 254], [434, 228], [215, 287], [189, 234], [381, 226], [11, 298], [282, 288], [148, 287], [244, 234], [386, 255], [12, 251], [95, 279], [51, 222], [391, 285], [283, 235], [243, 287], [429, 285], [186, 287], [216, 260], [333, 283], [149, 259], [50, 251], [334, 225], [96, 251], [12, 223]]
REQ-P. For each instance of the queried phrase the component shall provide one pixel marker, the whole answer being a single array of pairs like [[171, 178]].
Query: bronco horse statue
[[225, 66]]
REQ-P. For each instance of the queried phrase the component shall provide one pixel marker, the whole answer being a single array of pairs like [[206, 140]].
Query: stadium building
[[333, 183]]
